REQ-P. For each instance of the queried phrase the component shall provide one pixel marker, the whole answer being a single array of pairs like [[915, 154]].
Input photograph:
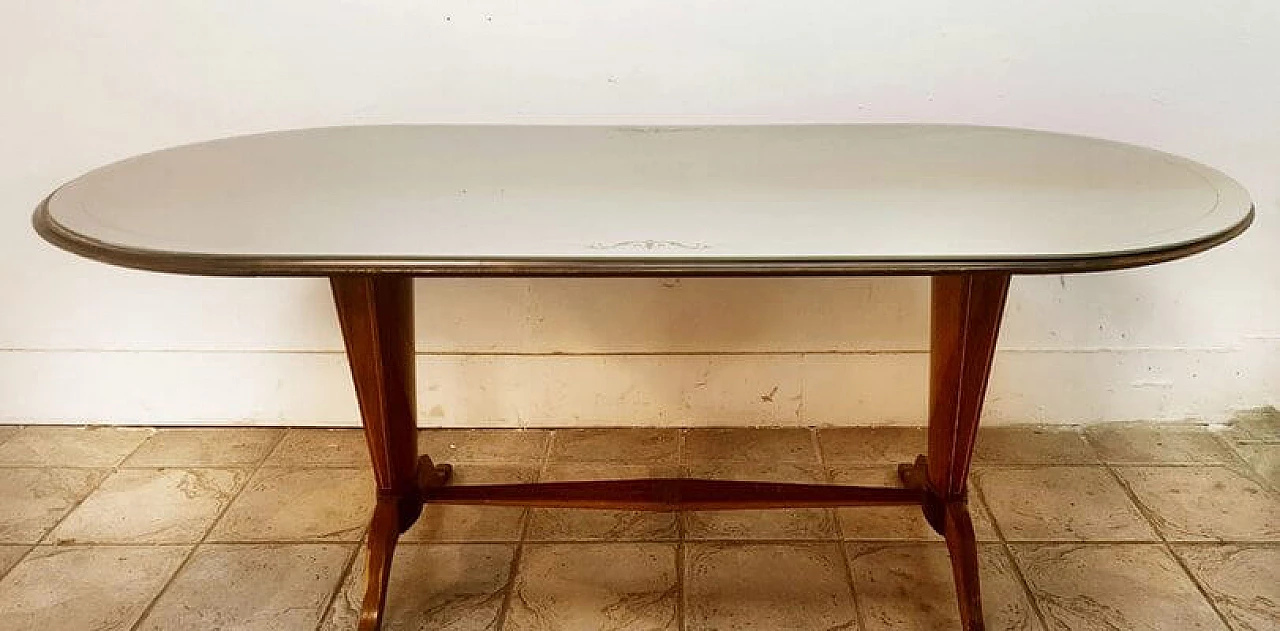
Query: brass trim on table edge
[[235, 265]]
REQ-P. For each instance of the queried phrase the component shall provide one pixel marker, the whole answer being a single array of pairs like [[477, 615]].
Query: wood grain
[[376, 316], [672, 494], [966, 313]]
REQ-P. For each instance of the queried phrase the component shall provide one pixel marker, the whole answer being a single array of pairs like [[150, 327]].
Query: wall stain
[[768, 398]]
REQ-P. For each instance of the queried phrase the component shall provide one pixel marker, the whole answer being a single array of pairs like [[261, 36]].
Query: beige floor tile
[[10, 555], [1259, 424], [1205, 503], [218, 447], [791, 444], [1141, 443], [1061, 504], [880, 522], [895, 523], [1032, 445], [442, 587], [767, 587], [1088, 587], [630, 445], [1264, 459], [225, 586], [71, 446], [484, 445], [589, 586], [871, 445], [554, 524], [73, 587], [299, 505], [910, 586], [150, 506], [791, 523], [440, 522], [984, 528], [33, 500], [1242, 580], [320, 448], [7, 432]]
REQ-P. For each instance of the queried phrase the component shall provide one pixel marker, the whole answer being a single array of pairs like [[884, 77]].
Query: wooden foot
[[914, 475], [966, 310], [963, 547], [384, 531], [431, 475]]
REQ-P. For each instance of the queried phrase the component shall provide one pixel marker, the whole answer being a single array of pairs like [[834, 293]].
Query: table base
[[376, 315]]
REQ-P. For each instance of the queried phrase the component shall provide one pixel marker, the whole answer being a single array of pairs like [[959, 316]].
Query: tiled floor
[[1103, 527]]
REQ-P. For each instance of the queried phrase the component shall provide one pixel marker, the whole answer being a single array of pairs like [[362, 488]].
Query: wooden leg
[[376, 315], [966, 321]]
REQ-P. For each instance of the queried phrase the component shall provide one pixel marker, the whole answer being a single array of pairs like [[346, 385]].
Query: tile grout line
[[682, 471], [1252, 472], [1005, 547], [811, 540], [74, 504], [19, 560], [1204, 592], [869, 464], [32, 546], [525, 518], [841, 539], [348, 566], [1149, 515], [186, 559], [110, 471]]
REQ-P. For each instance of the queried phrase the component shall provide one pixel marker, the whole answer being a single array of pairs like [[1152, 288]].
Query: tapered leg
[[376, 314], [966, 321]]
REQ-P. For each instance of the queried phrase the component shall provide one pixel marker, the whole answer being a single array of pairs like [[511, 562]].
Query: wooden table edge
[[204, 264]]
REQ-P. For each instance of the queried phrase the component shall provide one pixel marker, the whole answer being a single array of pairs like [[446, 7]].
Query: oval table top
[[594, 200]]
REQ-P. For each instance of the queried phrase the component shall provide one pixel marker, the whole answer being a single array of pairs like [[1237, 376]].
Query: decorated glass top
[[564, 200]]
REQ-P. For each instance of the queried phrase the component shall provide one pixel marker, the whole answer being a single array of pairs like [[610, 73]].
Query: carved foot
[[432, 475], [915, 474], [384, 531], [963, 547]]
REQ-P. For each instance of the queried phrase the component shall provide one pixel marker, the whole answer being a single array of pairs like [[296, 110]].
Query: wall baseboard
[[776, 389]]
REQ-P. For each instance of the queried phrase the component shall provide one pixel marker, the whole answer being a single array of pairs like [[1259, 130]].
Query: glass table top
[[594, 200]]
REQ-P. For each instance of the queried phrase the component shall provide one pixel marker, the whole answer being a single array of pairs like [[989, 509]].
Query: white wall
[[87, 83]]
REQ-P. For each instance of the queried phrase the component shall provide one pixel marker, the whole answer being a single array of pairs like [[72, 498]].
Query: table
[[373, 207]]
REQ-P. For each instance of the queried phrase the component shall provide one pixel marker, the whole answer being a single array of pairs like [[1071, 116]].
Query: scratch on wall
[[768, 397]]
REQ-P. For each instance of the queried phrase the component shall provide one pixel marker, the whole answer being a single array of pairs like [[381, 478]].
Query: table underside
[[376, 316]]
